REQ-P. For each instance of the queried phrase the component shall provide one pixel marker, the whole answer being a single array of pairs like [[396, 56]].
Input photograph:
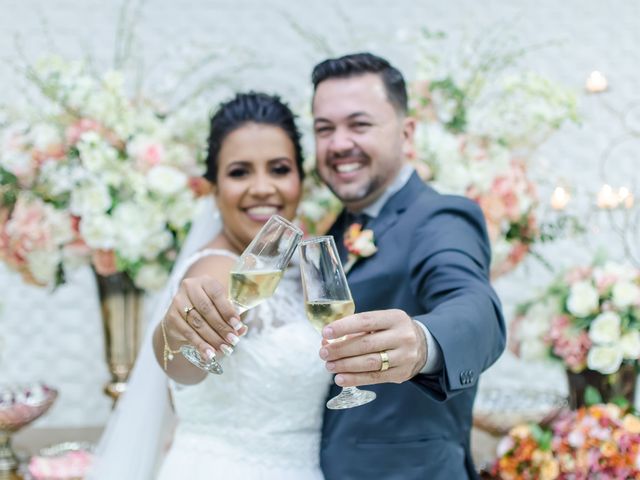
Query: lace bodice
[[267, 406]]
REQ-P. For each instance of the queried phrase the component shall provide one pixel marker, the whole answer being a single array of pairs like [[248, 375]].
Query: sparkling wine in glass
[[327, 298], [256, 275]]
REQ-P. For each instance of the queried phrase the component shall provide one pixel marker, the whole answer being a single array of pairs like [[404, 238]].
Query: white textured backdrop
[[57, 337]]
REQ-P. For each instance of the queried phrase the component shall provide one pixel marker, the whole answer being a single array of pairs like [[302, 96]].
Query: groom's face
[[360, 138]]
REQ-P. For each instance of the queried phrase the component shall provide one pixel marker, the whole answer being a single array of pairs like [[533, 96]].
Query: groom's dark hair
[[251, 107], [359, 64]]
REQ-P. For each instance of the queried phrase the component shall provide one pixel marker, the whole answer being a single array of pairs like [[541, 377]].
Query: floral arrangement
[[96, 177], [70, 465], [479, 124], [600, 441], [588, 317]]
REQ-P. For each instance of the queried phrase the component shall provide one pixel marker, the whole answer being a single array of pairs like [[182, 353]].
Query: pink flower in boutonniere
[[360, 244]]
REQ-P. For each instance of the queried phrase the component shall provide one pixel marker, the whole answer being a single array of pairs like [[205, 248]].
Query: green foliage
[[541, 435], [592, 396], [8, 188]]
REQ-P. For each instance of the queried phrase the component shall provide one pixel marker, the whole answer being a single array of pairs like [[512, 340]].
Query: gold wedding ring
[[187, 309], [385, 361]]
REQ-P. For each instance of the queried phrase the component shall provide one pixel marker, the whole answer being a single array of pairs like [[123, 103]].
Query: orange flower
[[631, 423], [549, 470], [359, 243], [608, 449]]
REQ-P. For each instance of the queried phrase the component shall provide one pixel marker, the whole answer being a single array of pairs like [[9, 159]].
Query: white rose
[[630, 344], [505, 445], [576, 438], [61, 178], [151, 277], [81, 91], [533, 349], [538, 320], [313, 210], [500, 249], [619, 271], [142, 216], [44, 136], [364, 244], [180, 211], [605, 328], [583, 299], [59, 224], [43, 265], [625, 294], [113, 80], [90, 198], [454, 178], [140, 230], [166, 180], [157, 243], [18, 163], [605, 360], [98, 231], [95, 153]]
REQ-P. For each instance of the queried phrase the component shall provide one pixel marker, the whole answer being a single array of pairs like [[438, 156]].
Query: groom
[[428, 320]]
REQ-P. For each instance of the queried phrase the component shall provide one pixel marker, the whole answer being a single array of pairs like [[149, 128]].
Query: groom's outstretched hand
[[357, 360]]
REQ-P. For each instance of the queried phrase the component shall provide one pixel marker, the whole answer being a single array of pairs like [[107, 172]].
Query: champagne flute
[[327, 298], [255, 276]]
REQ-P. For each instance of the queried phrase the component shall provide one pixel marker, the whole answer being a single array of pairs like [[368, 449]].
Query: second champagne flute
[[327, 298], [256, 274]]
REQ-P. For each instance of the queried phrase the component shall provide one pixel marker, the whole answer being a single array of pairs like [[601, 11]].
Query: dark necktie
[[360, 218]]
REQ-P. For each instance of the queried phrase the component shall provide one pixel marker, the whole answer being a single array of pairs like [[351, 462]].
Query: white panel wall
[[57, 337]]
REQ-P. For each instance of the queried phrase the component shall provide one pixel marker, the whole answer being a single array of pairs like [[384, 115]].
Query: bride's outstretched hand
[[202, 315]]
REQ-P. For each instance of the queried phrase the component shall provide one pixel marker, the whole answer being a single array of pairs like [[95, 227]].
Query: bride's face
[[257, 177]]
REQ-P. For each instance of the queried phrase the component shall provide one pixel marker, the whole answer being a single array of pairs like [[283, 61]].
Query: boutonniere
[[360, 244]]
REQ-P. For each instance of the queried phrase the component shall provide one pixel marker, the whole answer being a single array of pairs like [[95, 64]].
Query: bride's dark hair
[[252, 107]]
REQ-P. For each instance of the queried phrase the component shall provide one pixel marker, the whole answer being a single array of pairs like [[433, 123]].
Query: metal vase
[[122, 318]]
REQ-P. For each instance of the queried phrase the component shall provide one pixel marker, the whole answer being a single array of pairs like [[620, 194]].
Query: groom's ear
[[408, 133]]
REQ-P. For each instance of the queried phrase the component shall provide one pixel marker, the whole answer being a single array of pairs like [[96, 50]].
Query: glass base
[[351, 397], [190, 353]]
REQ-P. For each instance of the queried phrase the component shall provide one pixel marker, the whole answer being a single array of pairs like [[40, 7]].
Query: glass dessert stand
[[19, 406]]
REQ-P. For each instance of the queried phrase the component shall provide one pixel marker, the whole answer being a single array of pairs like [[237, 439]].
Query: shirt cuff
[[434, 354]]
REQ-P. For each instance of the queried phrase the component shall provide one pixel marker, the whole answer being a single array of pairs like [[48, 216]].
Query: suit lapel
[[395, 206]]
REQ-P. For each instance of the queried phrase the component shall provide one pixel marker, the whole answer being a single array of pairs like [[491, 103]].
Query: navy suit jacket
[[432, 262]]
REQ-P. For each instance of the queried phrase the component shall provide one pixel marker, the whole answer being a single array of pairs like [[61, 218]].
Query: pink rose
[[75, 131], [199, 186]]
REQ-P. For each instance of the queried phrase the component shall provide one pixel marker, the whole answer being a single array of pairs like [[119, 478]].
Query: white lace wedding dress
[[262, 418]]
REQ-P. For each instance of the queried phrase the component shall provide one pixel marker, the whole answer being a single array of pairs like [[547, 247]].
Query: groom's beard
[[346, 192]]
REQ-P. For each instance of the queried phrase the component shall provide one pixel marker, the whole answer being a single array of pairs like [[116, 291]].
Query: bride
[[260, 419]]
